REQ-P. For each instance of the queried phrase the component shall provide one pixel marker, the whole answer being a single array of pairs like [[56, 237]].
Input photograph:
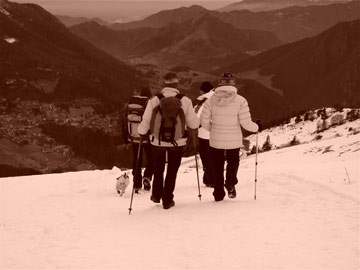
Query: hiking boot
[[231, 191], [147, 183], [169, 205], [154, 199]]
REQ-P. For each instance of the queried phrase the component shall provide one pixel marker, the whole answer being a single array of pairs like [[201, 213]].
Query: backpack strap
[[198, 106], [182, 115], [160, 96]]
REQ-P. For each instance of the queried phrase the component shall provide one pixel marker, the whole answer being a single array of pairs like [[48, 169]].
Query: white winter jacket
[[190, 117], [223, 115], [203, 133]]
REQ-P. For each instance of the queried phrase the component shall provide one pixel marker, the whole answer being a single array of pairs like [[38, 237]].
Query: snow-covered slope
[[306, 215], [309, 130]]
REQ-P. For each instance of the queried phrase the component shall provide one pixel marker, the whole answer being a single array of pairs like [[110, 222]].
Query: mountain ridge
[[197, 39], [44, 51], [319, 71], [263, 5], [289, 24]]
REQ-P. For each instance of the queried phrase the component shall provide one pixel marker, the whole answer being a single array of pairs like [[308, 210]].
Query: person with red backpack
[[167, 116], [223, 115], [135, 111]]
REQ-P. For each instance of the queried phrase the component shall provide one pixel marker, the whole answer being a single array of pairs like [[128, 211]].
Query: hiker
[[135, 111], [167, 141], [223, 115], [206, 92]]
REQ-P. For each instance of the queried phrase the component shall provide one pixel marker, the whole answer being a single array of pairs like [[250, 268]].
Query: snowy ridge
[[4, 11], [10, 40], [306, 131], [306, 216]]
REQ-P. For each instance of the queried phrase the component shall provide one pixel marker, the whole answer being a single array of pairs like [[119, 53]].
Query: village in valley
[[21, 121]]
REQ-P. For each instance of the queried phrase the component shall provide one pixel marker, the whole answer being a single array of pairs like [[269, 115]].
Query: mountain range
[[191, 43], [320, 71], [70, 21], [266, 5], [288, 24], [42, 59]]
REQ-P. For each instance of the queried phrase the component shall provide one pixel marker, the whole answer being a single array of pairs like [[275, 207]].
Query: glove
[[193, 137], [192, 143], [258, 122], [144, 137]]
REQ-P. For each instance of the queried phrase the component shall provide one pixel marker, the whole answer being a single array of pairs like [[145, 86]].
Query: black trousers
[[218, 161], [149, 166], [165, 189], [204, 151]]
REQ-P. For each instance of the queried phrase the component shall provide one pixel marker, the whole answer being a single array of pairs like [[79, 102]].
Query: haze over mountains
[[41, 58]]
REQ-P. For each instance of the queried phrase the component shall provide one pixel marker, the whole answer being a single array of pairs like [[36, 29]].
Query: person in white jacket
[[163, 190], [223, 116], [206, 92]]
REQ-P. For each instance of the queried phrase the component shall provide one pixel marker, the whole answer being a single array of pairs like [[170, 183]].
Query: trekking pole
[[256, 163], [197, 173], [137, 164], [197, 166]]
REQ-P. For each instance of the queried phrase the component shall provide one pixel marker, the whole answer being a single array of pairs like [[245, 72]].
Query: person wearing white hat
[[223, 115]]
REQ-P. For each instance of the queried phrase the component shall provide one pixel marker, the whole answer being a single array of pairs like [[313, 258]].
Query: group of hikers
[[170, 121]]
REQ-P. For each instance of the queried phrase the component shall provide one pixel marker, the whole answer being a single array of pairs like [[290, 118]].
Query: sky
[[117, 10]]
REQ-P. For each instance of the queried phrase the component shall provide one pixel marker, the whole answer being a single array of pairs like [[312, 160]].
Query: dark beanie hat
[[206, 86], [170, 78], [226, 79], [145, 92]]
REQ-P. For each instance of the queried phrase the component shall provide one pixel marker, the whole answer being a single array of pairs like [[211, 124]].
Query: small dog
[[122, 183]]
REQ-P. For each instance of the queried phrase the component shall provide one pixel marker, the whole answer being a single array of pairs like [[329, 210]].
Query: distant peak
[[196, 7]]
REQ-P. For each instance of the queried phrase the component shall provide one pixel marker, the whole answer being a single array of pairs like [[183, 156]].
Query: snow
[[10, 40], [306, 216], [4, 11], [305, 131]]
